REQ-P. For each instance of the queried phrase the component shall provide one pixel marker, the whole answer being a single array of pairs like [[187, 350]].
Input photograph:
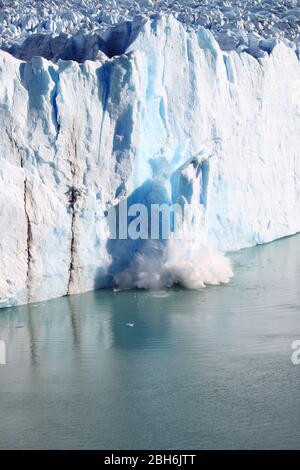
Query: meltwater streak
[[179, 264]]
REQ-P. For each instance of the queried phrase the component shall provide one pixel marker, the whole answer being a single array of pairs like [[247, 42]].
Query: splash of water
[[180, 265]]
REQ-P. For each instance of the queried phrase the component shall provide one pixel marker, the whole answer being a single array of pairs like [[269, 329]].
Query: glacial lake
[[183, 369]]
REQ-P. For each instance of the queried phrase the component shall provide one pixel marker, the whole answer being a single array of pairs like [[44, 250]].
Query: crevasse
[[77, 138]]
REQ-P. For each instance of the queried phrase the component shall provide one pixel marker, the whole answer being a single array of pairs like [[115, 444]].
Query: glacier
[[253, 26], [173, 117]]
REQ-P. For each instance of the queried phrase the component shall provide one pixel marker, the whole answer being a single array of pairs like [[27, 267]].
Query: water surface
[[173, 369]]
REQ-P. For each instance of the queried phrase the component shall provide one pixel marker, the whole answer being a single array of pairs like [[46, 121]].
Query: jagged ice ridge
[[253, 26]]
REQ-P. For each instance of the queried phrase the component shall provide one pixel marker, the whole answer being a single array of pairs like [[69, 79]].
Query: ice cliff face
[[173, 119]]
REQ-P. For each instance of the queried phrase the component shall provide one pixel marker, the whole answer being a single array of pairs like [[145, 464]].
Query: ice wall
[[173, 119]]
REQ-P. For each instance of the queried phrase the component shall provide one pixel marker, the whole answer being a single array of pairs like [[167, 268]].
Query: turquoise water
[[174, 369]]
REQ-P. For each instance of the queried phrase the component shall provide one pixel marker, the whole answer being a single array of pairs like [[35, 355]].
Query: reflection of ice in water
[[2, 353], [110, 368]]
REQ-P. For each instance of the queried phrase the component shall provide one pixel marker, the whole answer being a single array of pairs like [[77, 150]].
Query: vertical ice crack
[[104, 76], [54, 93], [204, 168], [164, 99], [73, 194], [29, 238]]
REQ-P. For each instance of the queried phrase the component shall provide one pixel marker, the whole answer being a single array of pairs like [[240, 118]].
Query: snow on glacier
[[172, 116], [251, 25]]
